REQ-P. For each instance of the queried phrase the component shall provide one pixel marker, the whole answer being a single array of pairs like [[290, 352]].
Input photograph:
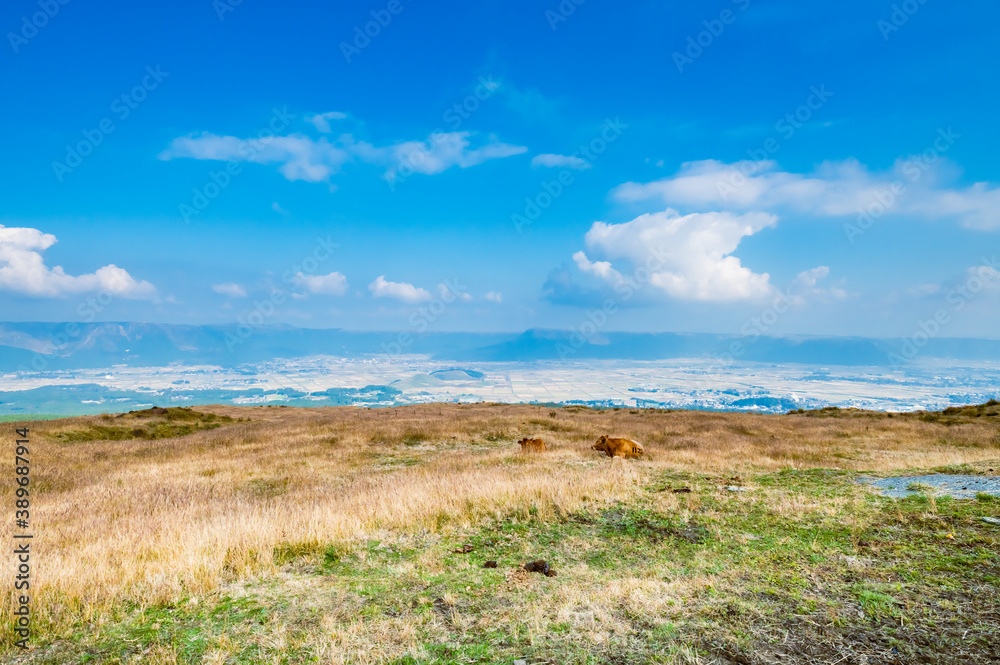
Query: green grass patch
[[875, 603], [146, 425]]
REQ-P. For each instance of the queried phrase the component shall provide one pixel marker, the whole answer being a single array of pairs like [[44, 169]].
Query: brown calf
[[532, 445], [619, 447]]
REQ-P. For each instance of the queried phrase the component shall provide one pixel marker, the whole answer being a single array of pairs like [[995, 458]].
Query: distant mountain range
[[59, 346]]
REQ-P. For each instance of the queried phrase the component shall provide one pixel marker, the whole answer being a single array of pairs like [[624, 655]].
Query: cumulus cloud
[[601, 269], [915, 186], [301, 157], [334, 284], [568, 161], [381, 288], [321, 121], [494, 296], [23, 270], [688, 257], [230, 289]]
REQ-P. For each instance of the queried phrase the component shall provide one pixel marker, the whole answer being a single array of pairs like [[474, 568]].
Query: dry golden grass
[[152, 521]]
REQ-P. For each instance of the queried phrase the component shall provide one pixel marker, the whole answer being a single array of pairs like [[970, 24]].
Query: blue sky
[[502, 166]]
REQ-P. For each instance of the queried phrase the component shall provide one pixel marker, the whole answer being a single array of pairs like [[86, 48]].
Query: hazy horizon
[[470, 331]]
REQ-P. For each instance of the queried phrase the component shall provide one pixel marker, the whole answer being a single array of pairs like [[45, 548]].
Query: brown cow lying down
[[532, 445], [619, 447]]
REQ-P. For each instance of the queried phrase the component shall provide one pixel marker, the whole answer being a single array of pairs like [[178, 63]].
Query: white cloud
[[834, 189], [300, 157], [448, 294], [321, 121], [809, 278], [230, 289], [381, 288], [805, 286], [689, 257], [568, 161], [494, 296], [334, 284], [23, 270], [601, 269], [276, 207], [439, 152]]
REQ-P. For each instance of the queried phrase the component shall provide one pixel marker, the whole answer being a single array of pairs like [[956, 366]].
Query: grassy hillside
[[284, 535]]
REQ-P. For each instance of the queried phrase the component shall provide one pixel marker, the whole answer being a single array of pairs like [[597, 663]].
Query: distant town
[[379, 381]]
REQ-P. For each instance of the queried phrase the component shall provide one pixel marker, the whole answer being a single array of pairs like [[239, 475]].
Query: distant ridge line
[[42, 346]]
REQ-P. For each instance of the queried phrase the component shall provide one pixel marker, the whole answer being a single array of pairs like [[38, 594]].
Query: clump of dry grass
[[147, 522]]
